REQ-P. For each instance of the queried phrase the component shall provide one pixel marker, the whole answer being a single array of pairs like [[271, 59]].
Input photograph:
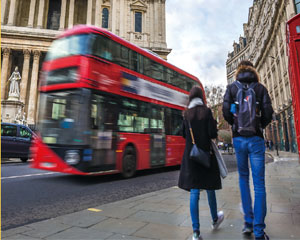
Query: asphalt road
[[30, 195]]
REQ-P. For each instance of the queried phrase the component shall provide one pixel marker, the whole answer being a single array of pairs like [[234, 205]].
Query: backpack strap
[[253, 85]]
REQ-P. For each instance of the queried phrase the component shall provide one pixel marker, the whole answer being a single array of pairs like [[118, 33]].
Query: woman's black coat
[[192, 175]]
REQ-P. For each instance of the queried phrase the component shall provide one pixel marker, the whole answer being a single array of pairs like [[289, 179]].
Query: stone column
[[63, 15], [3, 10], [25, 73], [33, 87], [163, 32], [4, 71], [31, 13], [71, 13], [41, 14], [123, 13], [11, 13], [155, 22], [114, 16], [98, 13], [89, 12]]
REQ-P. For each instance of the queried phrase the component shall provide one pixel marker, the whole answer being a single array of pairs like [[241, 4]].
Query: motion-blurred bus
[[293, 43], [107, 106]]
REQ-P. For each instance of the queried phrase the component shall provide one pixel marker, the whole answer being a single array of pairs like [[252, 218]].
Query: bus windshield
[[64, 47], [63, 117]]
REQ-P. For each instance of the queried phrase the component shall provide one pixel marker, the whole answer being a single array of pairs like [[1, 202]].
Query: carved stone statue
[[14, 90]]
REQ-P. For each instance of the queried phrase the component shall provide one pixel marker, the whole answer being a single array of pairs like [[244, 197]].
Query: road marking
[[29, 175], [94, 210]]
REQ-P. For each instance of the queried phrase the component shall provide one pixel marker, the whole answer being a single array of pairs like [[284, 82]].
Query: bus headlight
[[72, 157]]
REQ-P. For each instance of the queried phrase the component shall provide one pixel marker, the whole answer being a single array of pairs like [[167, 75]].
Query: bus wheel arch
[[129, 161]]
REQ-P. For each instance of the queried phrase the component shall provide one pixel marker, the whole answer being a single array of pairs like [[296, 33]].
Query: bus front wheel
[[129, 163]]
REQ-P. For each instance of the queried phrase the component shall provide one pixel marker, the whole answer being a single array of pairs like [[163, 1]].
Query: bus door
[[157, 137], [174, 141], [104, 138]]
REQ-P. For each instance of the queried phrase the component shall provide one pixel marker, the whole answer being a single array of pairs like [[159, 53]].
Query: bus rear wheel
[[24, 159], [129, 163]]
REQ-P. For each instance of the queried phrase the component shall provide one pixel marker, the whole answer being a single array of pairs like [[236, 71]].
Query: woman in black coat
[[194, 176]]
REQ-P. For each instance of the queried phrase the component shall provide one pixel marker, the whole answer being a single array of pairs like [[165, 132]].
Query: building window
[[105, 16], [54, 14], [138, 22], [297, 5]]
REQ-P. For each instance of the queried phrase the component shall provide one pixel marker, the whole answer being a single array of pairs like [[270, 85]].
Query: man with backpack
[[247, 107]]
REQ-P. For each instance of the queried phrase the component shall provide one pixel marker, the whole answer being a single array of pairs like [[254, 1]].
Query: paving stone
[[46, 228], [126, 237], [296, 219], [15, 231], [176, 201], [157, 217], [273, 218], [155, 199], [155, 207], [205, 222], [19, 237], [282, 208], [162, 231], [84, 218], [283, 231], [122, 226], [233, 214], [221, 234], [80, 234], [116, 212]]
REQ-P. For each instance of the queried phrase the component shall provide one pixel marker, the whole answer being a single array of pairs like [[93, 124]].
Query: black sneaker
[[247, 230], [264, 237]]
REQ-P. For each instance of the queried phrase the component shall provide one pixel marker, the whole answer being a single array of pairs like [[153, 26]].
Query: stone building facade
[[265, 34], [29, 26]]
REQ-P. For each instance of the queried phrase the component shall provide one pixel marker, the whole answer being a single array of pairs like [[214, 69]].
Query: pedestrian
[[271, 145], [250, 145], [193, 176]]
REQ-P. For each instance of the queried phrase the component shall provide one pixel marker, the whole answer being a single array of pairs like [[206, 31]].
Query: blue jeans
[[254, 148], [194, 206]]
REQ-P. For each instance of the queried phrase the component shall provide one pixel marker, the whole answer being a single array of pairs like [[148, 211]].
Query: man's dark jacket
[[247, 74]]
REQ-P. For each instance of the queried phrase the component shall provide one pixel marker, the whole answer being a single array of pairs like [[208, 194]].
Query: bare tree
[[214, 94]]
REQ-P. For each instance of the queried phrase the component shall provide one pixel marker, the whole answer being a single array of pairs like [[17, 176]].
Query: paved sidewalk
[[165, 214]]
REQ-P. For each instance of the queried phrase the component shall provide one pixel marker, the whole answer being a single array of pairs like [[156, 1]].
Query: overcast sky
[[201, 33]]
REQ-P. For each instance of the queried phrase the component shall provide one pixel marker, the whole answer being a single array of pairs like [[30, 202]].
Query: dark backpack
[[246, 110]]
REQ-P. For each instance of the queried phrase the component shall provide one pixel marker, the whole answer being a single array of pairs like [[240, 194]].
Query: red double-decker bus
[[293, 41], [108, 106]]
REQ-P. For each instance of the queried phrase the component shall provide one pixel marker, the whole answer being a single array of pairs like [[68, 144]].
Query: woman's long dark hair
[[198, 112]]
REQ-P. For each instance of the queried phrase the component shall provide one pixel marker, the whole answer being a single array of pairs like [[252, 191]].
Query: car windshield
[[63, 117], [72, 45]]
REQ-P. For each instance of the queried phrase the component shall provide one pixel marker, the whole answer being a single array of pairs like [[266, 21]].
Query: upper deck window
[[298, 29], [297, 5], [138, 22], [73, 45], [105, 16]]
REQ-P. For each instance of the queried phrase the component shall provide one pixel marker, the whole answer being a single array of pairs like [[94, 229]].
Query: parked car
[[15, 141]]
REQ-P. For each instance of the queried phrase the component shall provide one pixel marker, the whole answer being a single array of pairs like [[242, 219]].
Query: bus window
[[103, 113], [157, 71], [168, 121], [101, 47], [64, 47], [147, 67], [169, 75], [176, 122], [189, 84], [141, 63], [134, 61], [157, 120], [133, 117]]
